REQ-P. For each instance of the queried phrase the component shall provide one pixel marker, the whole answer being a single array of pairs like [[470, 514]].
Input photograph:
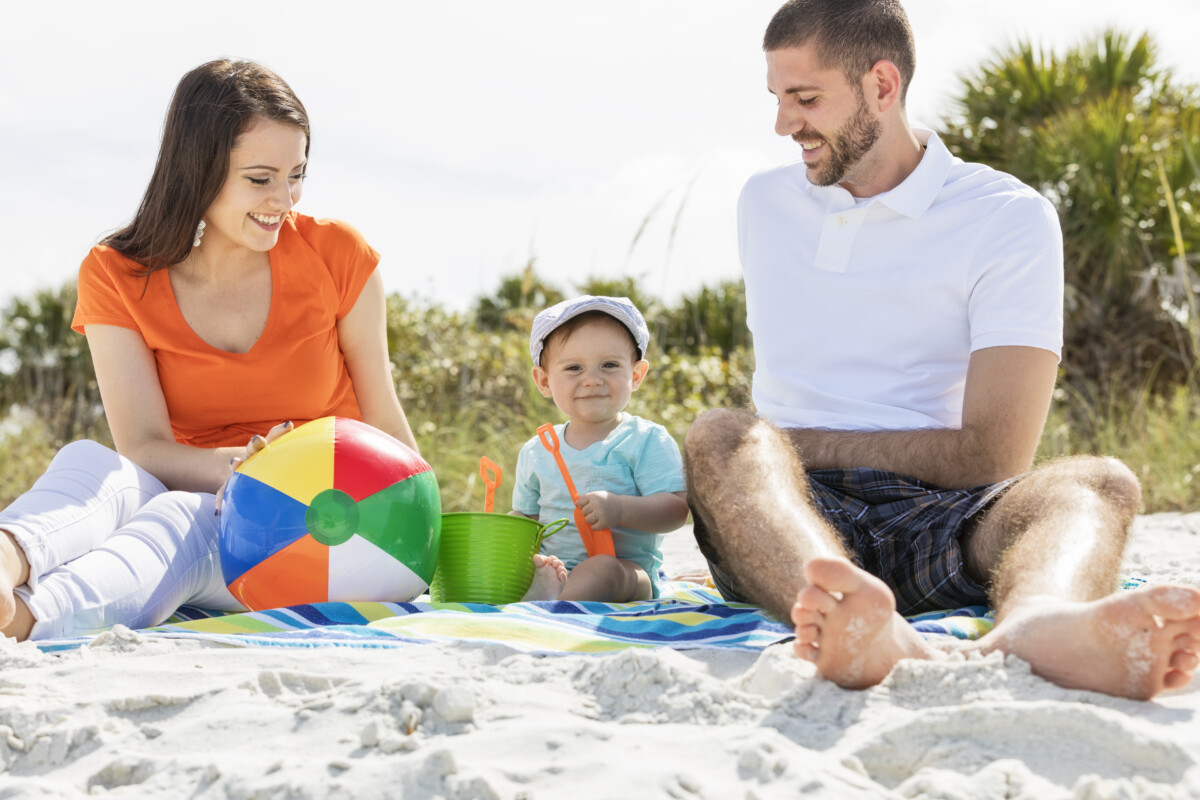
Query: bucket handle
[[547, 530]]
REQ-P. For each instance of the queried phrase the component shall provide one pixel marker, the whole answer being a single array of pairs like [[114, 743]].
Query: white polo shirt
[[865, 312]]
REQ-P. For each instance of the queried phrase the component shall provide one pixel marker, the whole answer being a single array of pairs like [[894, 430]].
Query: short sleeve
[[659, 468], [350, 259], [99, 301], [1016, 285], [526, 497]]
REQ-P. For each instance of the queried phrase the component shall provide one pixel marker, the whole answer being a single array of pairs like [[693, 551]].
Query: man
[[907, 317]]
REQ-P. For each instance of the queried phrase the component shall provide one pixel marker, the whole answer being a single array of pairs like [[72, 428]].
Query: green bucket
[[487, 558]]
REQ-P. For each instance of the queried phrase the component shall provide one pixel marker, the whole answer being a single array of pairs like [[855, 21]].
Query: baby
[[589, 357]]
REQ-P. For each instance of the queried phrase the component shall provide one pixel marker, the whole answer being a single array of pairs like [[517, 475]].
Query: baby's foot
[[549, 577], [847, 625]]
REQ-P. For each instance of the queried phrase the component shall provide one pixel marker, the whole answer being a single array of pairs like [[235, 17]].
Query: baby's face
[[591, 373]]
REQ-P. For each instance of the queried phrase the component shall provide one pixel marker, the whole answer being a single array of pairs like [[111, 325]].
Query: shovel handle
[[492, 475], [595, 542]]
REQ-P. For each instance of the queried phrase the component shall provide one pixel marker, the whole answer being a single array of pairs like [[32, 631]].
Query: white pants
[[108, 544]]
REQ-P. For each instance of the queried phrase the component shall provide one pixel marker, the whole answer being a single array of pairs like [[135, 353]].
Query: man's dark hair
[[850, 35]]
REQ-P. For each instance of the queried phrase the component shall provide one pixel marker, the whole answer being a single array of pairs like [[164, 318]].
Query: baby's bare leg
[[607, 580]]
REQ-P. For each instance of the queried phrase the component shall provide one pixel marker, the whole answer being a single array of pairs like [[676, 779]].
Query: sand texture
[[130, 716]]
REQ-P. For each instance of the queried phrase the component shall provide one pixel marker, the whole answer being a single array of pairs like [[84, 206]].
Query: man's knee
[[1115, 480], [712, 424], [716, 431], [1108, 478]]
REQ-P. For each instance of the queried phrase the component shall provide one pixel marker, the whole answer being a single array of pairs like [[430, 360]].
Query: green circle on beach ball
[[332, 517]]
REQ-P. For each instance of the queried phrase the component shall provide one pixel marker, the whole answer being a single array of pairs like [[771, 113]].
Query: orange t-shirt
[[295, 371]]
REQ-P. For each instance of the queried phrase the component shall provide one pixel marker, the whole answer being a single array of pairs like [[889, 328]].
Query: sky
[[464, 139]]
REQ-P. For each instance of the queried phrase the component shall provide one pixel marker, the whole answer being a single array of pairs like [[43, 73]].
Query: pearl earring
[[199, 234]]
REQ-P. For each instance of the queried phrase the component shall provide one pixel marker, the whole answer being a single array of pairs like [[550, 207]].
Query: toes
[[804, 616], [833, 575], [808, 634], [1185, 641], [805, 650], [1176, 680], [817, 599], [1184, 661], [1173, 602]]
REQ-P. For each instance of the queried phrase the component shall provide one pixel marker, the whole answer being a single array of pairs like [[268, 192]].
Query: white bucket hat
[[620, 308]]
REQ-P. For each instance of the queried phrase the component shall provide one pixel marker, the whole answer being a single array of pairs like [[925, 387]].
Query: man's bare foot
[[1130, 644], [549, 577], [14, 571], [846, 624]]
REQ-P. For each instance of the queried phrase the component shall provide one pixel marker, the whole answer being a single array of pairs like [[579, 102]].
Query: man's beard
[[848, 147]]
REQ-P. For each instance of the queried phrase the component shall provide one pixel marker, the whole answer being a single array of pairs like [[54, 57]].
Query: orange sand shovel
[[596, 542], [492, 475]]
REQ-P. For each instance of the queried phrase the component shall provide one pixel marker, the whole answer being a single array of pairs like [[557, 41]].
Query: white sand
[[136, 717]]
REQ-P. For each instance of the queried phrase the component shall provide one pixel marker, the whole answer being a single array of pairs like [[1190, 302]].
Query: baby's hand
[[601, 509]]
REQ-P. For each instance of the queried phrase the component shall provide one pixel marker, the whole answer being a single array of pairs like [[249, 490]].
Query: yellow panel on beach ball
[[300, 478]]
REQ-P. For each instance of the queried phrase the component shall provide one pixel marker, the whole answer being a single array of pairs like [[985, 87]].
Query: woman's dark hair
[[213, 105]]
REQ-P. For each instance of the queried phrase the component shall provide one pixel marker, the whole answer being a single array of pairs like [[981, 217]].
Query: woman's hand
[[255, 444]]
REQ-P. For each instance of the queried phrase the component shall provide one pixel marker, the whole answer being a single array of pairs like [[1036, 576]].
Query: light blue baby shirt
[[638, 458]]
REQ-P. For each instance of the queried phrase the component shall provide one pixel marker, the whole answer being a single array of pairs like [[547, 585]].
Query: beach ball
[[333, 510]]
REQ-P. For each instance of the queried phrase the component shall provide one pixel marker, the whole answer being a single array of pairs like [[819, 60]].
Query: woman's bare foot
[[549, 577], [14, 571], [1130, 644], [21, 624], [847, 625]]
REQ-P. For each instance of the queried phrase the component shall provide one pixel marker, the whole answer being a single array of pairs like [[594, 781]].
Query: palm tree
[[46, 367], [712, 318], [515, 303], [1110, 140]]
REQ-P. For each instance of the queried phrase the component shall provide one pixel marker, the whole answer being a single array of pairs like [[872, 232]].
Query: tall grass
[[1156, 435], [468, 392]]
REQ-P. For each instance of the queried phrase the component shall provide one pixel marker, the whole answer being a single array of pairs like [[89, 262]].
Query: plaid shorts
[[900, 529]]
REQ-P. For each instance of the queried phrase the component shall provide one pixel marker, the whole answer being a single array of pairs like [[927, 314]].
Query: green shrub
[[469, 393], [1157, 435]]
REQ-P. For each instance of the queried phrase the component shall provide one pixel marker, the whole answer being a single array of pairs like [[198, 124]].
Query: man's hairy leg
[[1053, 545], [747, 484]]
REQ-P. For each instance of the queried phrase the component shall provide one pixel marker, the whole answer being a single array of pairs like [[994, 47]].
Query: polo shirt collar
[[916, 193]]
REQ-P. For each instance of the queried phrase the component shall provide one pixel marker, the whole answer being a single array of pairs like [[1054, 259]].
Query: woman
[[218, 315]]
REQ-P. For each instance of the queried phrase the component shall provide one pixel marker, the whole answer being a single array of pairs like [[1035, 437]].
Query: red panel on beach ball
[[366, 460]]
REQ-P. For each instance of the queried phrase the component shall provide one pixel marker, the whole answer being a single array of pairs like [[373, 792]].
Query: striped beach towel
[[687, 616]]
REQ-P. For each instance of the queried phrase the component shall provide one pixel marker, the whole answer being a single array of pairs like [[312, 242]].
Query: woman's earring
[[199, 234]]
